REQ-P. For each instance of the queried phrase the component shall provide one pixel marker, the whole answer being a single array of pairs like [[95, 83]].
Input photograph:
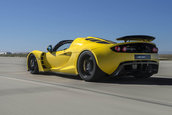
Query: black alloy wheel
[[87, 67], [33, 65]]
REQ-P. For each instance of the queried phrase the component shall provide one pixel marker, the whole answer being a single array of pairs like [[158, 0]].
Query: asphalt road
[[51, 94]]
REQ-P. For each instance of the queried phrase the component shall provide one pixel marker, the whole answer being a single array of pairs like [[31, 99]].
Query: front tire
[[87, 67], [33, 65]]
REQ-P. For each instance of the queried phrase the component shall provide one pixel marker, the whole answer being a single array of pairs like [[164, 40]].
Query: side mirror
[[49, 48]]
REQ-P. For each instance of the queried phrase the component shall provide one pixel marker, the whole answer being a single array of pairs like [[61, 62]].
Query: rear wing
[[137, 38]]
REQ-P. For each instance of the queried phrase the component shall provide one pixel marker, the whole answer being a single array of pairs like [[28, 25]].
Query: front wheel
[[87, 67], [32, 64]]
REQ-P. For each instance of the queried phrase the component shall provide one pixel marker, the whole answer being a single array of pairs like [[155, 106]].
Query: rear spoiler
[[137, 38]]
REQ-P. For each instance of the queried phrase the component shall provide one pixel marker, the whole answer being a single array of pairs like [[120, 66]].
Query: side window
[[64, 46]]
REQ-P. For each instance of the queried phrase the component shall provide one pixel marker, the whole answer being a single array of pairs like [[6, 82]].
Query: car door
[[60, 55]]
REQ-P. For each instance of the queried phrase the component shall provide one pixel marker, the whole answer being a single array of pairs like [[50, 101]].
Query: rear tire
[[87, 67], [33, 65]]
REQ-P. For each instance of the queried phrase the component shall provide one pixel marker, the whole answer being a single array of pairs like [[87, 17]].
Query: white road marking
[[26, 81]]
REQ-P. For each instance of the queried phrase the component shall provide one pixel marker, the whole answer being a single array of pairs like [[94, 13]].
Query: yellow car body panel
[[65, 61]]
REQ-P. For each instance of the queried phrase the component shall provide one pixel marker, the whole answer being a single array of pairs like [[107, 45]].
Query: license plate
[[142, 57]]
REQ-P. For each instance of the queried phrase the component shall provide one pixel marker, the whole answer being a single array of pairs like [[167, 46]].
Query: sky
[[27, 25]]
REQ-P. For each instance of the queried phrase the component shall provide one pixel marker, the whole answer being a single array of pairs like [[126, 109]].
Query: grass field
[[165, 56]]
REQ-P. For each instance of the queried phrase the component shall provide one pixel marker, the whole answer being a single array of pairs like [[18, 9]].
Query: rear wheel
[[32, 64], [87, 67]]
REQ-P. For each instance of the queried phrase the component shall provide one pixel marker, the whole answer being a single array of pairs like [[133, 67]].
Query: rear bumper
[[136, 67]]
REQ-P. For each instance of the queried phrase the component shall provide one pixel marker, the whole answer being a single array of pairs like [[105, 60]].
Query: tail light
[[124, 49], [117, 48], [155, 50], [120, 49], [135, 48]]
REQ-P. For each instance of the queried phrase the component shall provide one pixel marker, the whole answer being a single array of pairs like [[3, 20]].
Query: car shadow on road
[[135, 81], [61, 75], [120, 80]]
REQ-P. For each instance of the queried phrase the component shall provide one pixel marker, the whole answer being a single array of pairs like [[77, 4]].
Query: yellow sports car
[[92, 58]]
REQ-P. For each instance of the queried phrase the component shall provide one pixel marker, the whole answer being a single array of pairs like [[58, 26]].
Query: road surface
[[22, 93]]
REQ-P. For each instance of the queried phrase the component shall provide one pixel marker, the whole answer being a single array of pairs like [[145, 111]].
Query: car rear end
[[136, 58], [136, 55]]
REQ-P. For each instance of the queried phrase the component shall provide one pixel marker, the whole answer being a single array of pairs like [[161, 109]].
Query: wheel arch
[[37, 55], [103, 58]]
